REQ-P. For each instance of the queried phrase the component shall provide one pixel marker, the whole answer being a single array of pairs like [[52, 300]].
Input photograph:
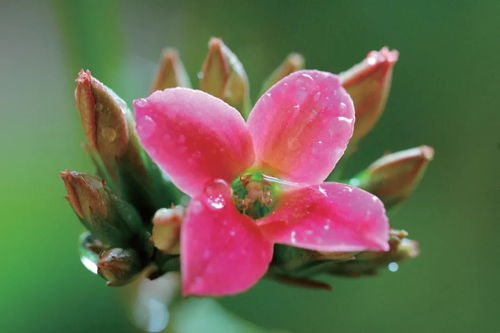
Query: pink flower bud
[[171, 72], [369, 83]]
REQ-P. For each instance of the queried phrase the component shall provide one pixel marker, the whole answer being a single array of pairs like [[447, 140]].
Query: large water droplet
[[88, 258], [214, 194]]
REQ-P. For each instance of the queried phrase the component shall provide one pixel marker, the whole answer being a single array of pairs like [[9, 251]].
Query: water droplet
[[99, 107], [371, 60], [146, 127], [109, 134], [345, 119], [214, 195], [342, 106], [293, 236], [307, 76], [232, 233], [393, 267]]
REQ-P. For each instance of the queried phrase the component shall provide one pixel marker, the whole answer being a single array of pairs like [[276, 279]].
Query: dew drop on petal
[[214, 196]]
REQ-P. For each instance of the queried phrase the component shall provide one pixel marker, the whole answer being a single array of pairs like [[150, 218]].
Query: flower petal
[[302, 125], [193, 137], [223, 251], [329, 217]]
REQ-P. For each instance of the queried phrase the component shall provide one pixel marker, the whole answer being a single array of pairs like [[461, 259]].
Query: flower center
[[254, 195]]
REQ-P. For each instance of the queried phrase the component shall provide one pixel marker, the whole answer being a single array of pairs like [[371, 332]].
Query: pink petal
[[223, 251], [329, 217], [193, 137], [301, 126]]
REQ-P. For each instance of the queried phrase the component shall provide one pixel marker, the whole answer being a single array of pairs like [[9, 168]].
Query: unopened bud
[[393, 177], [292, 63], [104, 117], [109, 219], [114, 148], [171, 72], [223, 76], [369, 83], [166, 229], [118, 266]]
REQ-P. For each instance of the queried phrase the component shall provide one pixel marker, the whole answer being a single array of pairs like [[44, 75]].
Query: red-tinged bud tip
[[84, 193], [369, 83], [103, 115]]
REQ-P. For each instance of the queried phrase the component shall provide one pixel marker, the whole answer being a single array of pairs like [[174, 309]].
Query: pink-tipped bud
[[292, 63], [223, 76], [171, 72], [166, 229], [369, 83], [393, 177], [104, 118]]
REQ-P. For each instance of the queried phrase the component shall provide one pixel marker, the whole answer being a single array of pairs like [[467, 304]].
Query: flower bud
[[166, 229], [114, 148], [292, 63], [103, 116], [171, 72], [369, 83], [367, 263], [393, 177], [118, 266], [110, 220], [223, 76]]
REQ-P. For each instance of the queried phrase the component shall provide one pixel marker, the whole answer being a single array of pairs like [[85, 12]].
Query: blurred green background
[[445, 94]]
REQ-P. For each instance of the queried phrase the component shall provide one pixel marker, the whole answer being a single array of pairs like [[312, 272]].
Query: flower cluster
[[202, 183]]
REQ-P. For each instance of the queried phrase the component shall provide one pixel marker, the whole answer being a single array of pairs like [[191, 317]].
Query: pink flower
[[258, 183]]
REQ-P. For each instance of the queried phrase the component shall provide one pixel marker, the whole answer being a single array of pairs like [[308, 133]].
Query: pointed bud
[[119, 266], [369, 83], [109, 219], [114, 148], [292, 63], [166, 229], [393, 177], [223, 76], [171, 72], [104, 118]]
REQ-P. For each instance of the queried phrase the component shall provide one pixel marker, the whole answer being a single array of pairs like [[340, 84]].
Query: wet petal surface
[[223, 251], [329, 217], [193, 137], [301, 126]]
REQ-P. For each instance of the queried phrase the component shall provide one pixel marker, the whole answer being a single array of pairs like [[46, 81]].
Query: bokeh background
[[445, 94]]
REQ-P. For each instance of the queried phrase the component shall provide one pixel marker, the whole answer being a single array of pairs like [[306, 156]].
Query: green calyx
[[254, 195]]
